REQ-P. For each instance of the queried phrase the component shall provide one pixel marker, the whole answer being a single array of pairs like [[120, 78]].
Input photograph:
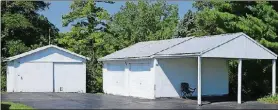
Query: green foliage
[[269, 99], [87, 37], [12, 106], [256, 19], [143, 21], [187, 25]]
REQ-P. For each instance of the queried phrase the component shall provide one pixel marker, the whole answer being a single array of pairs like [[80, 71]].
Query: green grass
[[11, 105], [269, 99], [3, 92], [99, 93]]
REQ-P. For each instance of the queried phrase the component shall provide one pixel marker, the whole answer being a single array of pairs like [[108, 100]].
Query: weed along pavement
[[103, 101]]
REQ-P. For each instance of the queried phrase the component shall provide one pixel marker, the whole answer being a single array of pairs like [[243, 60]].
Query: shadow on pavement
[[215, 99]]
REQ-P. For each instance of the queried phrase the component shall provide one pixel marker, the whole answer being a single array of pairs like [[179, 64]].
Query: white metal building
[[157, 68], [47, 69]]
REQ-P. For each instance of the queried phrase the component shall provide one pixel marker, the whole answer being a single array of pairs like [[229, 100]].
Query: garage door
[[114, 79], [69, 77], [34, 77], [141, 82]]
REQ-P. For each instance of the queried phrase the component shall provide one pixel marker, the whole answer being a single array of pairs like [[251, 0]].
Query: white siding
[[51, 55], [171, 72], [34, 72], [10, 77], [34, 77], [141, 79], [241, 47], [70, 77], [114, 78], [129, 78]]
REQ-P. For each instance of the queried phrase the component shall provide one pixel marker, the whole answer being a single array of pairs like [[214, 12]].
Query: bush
[[269, 99]]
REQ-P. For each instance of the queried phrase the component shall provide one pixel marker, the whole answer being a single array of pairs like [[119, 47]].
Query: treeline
[[95, 33]]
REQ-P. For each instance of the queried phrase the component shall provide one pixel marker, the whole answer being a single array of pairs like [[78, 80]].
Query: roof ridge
[[220, 44], [217, 35], [175, 44], [164, 39]]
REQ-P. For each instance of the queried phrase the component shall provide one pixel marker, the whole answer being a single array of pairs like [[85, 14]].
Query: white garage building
[[47, 69], [157, 68]]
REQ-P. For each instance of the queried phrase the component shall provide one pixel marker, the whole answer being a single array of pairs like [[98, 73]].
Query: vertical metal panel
[[141, 80], [126, 76], [10, 77], [199, 81], [69, 77], [273, 77], [34, 77], [114, 78], [239, 81]]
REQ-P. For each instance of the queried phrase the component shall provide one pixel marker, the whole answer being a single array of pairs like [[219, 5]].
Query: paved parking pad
[[102, 101]]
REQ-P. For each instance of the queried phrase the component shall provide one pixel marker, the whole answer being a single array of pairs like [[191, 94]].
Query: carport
[[240, 47], [146, 58]]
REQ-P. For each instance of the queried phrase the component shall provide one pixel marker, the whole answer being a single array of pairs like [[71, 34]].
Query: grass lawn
[[269, 99], [11, 105]]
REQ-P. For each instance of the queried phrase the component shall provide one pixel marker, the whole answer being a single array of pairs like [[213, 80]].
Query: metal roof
[[188, 46], [43, 48], [145, 49], [198, 45]]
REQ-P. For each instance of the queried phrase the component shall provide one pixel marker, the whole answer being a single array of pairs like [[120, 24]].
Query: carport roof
[[43, 48], [232, 45]]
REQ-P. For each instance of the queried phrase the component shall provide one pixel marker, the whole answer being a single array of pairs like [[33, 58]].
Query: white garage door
[[141, 82], [34, 77], [69, 77], [115, 79]]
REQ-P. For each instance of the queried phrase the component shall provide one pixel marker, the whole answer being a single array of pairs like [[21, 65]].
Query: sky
[[59, 8]]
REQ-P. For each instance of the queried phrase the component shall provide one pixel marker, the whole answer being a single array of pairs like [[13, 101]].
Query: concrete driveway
[[98, 101]]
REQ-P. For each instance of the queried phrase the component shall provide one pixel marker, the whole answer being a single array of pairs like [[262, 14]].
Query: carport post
[[239, 81], [273, 77], [199, 81]]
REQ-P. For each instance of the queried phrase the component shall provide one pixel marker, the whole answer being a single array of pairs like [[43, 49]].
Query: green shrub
[[269, 99]]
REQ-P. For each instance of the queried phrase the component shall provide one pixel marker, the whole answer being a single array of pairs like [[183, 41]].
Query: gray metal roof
[[200, 44], [193, 46], [144, 49]]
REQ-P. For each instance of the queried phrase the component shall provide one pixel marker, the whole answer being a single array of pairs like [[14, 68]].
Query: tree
[[143, 21], [86, 37], [22, 29], [258, 19], [187, 26]]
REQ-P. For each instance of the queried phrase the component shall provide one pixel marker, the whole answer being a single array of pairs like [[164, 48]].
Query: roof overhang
[[43, 48]]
